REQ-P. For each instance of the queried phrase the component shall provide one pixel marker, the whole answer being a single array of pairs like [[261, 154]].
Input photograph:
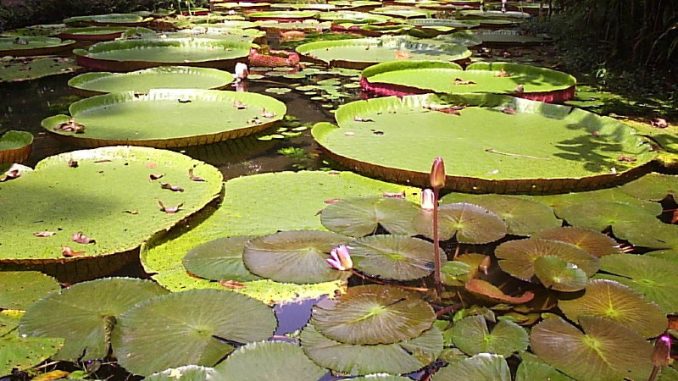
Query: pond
[[399, 192]]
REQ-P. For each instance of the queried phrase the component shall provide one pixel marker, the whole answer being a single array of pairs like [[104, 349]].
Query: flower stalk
[[437, 181]]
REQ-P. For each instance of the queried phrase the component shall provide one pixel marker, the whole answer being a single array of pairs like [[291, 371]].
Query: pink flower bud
[[241, 71], [662, 351], [427, 199], [438, 173], [341, 259]]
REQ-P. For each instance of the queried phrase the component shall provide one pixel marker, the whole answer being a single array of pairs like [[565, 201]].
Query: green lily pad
[[275, 361], [373, 314], [467, 223], [220, 259], [186, 373], [402, 357], [668, 255], [480, 77], [128, 19], [558, 274], [85, 314], [481, 367], [401, 12], [604, 351], [455, 273], [646, 232], [20, 289], [135, 54], [518, 257], [28, 68], [304, 195], [15, 146], [568, 149], [192, 327], [599, 216], [294, 256], [522, 217], [168, 117], [614, 301], [652, 187], [119, 222], [655, 278], [529, 370], [94, 33], [18, 351], [353, 17], [141, 81], [361, 53], [393, 256], [281, 15], [593, 242], [561, 201], [32, 45], [359, 217], [471, 335]]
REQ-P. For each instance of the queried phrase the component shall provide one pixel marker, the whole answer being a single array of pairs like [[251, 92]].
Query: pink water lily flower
[[427, 199], [341, 259]]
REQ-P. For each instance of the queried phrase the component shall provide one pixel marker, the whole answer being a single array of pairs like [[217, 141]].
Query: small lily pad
[[481, 367], [558, 274], [278, 90], [467, 223], [373, 314], [529, 370], [361, 216], [20, 289], [220, 259], [294, 256], [614, 301], [595, 243], [186, 373], [393, 256], [18, 351], [471, 335]]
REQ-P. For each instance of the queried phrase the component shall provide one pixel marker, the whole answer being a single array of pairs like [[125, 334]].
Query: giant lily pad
[[568, 148], [168, 118], [373, 315], [410, 77], [42, 235], [93, 33], [593, 242], [518, 257], [481, 367], [471, 335], [85, 314], [27, 68], [605, 350], [21, 352], [467, 223], [294, 256], [126, 19], [20, 289], [655, 278], [166, 77], [393, 256], [220, 259], [193, 327], [32, 45], [282, 15], [362, 216], [301, 195], [353, 17], [275, 361], [360, 53], [401, 12], [15, 146], [614, 301], [508, 37], [127, 55], [402, 357]]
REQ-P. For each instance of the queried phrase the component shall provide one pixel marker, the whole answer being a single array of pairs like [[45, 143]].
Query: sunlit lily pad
[[186, 373], [655, 278], [529, 370], [472, 336], [593, 242], [402, 357], [20, 352], [274, 361], [27, 68], [481, 367], [294, 256], [522, 217], [220, 259], [282, 15], [393, 256], [361, 216], [373, 314], [15, 146], [191, 327], [599, 216], [93, 33], [467, 223], [558, 274], [614, 301], [517, 257], [106, 19], [20, 289], [651, 233], [32, 45], [85, 314], [653, 187], [604, 351]]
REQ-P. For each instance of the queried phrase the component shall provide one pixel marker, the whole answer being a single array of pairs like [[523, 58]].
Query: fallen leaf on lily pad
[[492, 292]]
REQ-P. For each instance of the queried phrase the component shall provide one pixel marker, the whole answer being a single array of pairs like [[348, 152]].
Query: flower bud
[[427, 199], [241, 71], [438, 173], [661, 355]]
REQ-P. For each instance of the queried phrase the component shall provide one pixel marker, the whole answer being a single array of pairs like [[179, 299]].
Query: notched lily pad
[[558, 274], [20, 289], [393, 256], [481, 367], [361, 216], [593, 242], [220, 259], [652, 187], [472, 336], [467, 223]]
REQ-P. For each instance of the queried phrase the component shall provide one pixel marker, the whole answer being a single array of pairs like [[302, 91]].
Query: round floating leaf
[[220, 259], [523, 217], [191, 327], [393, 256], [481, 367], [558, 274], [536, 370], [20, 289], [402, 357], [494, 293], [655, 278], [294, 256], [455, 273], [373, 314], [18, 351], [611, 300], [467, 223], [471, 335], [32, 45], [605, 351], [599, 216], [186, 373], [652, 187], [361, 216], [517, 257], [593, 242], [274, 361], [28, 68], [85, 314]]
